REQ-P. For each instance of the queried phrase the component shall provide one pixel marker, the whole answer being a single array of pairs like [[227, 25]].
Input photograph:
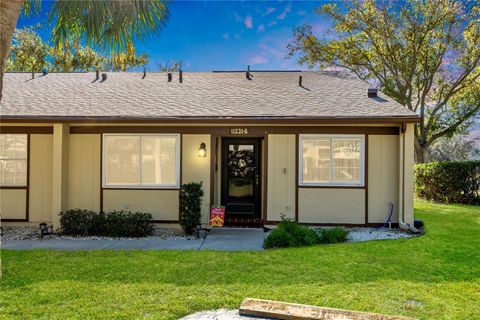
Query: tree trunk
[[10, 10], [420, 153]]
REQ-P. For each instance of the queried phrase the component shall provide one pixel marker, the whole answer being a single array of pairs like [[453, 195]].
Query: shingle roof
[[324, 95]]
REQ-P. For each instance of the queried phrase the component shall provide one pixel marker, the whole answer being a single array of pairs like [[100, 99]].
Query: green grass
[[440, 269]]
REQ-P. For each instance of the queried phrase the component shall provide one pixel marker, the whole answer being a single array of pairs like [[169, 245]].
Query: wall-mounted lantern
[[202, 151]]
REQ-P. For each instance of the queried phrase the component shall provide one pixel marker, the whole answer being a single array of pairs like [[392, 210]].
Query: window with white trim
[[331, 160], [13, 160], [141, 160]]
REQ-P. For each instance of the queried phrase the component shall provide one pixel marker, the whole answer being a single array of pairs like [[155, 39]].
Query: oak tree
[[423, 53]]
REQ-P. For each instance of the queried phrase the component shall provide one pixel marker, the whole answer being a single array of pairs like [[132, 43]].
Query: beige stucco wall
[[84, 172], [13, 204], [79, 178], [41, 184], [162, 204], [383, 166], [320, 205], [281, 176], [409, 164], [195, 168]]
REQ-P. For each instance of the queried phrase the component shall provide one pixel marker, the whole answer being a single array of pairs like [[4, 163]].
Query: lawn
[[441, 270]]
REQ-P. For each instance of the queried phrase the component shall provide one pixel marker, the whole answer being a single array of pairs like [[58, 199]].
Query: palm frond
[[31, 7], [111, 25]]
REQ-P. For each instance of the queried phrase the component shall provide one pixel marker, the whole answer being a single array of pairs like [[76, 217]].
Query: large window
[[13, 160], [145, 161], [331, 160]]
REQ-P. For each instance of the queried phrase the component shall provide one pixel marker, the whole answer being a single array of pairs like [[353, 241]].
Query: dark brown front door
[[241, 177]]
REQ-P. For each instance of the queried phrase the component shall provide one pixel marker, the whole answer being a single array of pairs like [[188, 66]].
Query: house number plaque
[[238, 131]]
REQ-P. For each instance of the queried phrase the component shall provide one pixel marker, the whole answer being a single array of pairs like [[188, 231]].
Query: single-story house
[[317, 147]]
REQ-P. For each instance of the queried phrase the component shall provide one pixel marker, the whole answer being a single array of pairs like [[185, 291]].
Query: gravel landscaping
[[33, 233], [367, 234]]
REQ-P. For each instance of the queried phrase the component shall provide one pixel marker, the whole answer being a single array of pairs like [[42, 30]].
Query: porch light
[[202, 151]]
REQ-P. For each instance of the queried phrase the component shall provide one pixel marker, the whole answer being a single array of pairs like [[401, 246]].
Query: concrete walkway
[[218, 239]]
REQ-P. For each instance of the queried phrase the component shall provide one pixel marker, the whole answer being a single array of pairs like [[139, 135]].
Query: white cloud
[[272, 23], [237, 17], [269, 10], [258, 59], [261, 28], [272, 49], [284, 13], [226, 36], [248, 22]]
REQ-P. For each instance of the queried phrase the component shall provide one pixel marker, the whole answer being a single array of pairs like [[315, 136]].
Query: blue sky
[[223, 35]]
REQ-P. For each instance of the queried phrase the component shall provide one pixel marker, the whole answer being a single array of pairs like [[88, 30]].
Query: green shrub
[[448, 182], [331, 235], [279, 238], [113, 224], [190, 206], [77, 221], [290, 234], [128, 224]]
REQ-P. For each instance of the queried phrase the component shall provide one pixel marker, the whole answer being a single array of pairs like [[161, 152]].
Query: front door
[[241, 177]]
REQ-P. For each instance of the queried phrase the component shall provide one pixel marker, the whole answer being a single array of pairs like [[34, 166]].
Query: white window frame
[[176, 185], [331, 137], [27, 155]]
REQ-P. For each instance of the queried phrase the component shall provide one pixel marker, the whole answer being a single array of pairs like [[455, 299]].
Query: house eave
[[210, 120]]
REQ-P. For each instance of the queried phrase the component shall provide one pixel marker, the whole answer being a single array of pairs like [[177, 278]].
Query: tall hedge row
[[448, 182]]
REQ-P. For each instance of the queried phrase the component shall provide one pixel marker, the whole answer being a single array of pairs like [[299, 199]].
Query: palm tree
[[110, 24]]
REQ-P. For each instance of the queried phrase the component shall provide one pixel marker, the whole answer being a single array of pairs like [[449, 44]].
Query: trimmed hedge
[[80, 222], [448, 182], [190, 206]]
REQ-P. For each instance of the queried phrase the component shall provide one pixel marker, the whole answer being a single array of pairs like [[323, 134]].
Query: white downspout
[[401, 190]]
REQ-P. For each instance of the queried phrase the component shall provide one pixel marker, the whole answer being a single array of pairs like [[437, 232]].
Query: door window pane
[[241, 170]]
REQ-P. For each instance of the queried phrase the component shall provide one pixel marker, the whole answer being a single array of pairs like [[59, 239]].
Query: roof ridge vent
[[247, 74], [372, 92]]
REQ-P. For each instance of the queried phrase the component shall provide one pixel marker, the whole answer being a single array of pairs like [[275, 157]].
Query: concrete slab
[[57, 244], [234, 239], [153, 244], [226, 239]]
